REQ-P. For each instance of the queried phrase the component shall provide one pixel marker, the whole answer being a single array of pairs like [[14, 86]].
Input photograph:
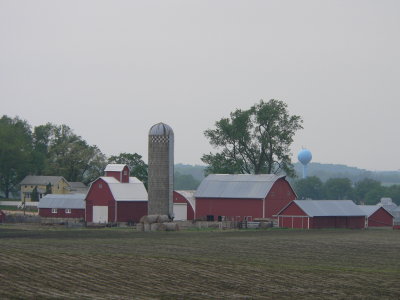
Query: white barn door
[[180, 211], [100, 214]]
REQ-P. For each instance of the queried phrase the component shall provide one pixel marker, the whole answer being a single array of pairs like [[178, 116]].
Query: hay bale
[[149, 219], [157, 227], [146, 227], [169, 226], [163, 219], [139, 227]]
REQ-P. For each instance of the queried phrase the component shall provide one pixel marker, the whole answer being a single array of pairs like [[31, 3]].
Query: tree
[[15, 153], [253, 141], [185, 182], [35, 194], [364, 187], [138, 168], [48, 189], [309, 188], [338, 189]]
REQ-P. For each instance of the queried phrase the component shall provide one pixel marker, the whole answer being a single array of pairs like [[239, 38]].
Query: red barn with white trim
[[377, 216], [110, 200], [242, 196], [307, 214]]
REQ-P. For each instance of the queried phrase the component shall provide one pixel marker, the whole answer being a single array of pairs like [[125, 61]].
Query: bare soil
[[50, 262]]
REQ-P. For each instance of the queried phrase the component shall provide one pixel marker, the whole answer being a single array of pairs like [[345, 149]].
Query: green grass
[[118, 263]]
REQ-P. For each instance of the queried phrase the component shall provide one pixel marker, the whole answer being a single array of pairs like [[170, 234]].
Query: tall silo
[[161, 170]]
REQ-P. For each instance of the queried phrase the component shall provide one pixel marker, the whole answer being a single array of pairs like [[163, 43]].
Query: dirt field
[[48, 262]]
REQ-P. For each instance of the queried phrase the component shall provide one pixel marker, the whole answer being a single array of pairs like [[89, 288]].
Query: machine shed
[[307, 214], [242, 196]]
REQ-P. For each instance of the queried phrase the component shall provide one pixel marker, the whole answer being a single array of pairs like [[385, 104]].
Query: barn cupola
[[118, 171]]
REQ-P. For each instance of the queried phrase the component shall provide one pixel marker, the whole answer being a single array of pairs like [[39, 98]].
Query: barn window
[[54, 210], [100, 186], [67, 210], [125, 173]]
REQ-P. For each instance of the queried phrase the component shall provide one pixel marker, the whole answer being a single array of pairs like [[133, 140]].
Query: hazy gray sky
[[112, 69]]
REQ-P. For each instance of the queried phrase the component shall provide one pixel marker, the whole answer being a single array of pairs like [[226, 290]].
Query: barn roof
[[73, 201], [189, 195], [236, 186], [41, 180], [371, 209], [132, 191], [114, 167], [329, 208]]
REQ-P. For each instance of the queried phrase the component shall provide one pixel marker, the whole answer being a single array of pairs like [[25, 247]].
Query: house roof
[[41, 180], [329, 208], [236, 186], [77, 185], [114, 167], [132, 191], [73, 201]]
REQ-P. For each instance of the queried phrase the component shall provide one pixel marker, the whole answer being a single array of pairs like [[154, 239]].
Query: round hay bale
[[149, 219], [156, 227], [171, 226], [163, 219], [139, 227], [146, 227]]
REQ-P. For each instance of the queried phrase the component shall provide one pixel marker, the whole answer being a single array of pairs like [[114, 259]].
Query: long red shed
[[62, 206], [377, 216], [307, 214], [112, 201], [242, 196]]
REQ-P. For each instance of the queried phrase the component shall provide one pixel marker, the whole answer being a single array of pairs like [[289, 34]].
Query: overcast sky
[[112, 69]]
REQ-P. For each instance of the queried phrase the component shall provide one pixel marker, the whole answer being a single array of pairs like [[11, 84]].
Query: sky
[[112, 69]]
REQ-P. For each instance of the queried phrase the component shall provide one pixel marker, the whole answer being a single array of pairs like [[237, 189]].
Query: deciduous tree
[[253, 141]]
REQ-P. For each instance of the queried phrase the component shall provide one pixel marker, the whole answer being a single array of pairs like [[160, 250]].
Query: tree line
[[366, 191], [53, 150]]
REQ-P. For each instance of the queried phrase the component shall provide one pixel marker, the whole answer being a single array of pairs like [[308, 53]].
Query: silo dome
[[304, 156], [161, 129]]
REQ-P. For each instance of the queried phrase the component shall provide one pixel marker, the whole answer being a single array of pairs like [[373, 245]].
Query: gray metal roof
[[41, 180], [236, 186], [369, 209], [132, 191], [73, 201], [330, 208], [114, 167], [161, 129]]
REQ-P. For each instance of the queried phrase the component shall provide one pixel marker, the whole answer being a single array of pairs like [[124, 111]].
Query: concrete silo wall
[[161, 171]]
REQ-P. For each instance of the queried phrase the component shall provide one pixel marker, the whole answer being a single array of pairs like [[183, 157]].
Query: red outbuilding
[[2, 216], [62, 206], [242, 196], [377, 216], [116, 197], [307, 214], [184, 205]]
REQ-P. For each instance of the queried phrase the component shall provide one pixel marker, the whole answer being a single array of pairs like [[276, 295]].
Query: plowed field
[[59, 263]]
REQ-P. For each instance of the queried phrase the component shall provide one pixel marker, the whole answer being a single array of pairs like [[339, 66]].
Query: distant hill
[[323, 171], [326, 171]]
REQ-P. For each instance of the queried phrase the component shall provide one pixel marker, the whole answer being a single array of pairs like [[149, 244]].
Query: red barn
[[242, 196], [308, 214], [377, 216], [62, 206], [184, 205], [116, 197]]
